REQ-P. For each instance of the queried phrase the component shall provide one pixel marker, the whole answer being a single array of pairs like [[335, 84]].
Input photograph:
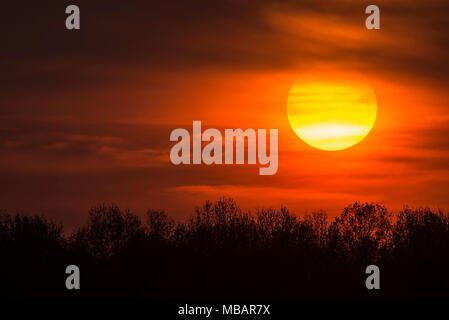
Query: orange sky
[[86, 115]]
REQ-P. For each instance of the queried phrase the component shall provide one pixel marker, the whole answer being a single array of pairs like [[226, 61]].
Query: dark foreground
[[224, 253]]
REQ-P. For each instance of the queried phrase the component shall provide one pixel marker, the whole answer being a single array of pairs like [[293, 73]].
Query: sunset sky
[[86, 115]]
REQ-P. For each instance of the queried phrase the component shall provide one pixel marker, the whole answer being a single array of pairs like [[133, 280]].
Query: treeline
[[223, 252]]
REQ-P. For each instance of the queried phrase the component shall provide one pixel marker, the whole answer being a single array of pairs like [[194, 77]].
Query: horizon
[[189, 213]]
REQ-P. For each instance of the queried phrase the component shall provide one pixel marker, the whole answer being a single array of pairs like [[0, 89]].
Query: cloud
[[60, 147], [225, 34]]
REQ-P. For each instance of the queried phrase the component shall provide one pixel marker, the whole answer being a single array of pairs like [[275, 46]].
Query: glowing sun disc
[[331, 114]]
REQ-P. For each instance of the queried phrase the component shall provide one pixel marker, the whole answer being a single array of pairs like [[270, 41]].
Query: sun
[[331, 113]]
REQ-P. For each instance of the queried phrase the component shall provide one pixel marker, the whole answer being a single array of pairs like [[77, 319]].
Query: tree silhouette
[[160, 226], [361, 232], [108, 231], [225, 252]]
